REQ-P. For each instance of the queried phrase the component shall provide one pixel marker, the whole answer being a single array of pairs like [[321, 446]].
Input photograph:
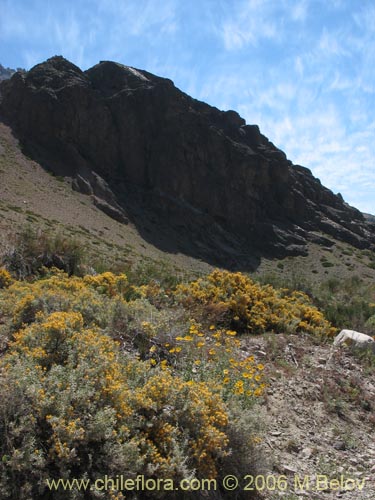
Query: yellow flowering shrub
[[213, 356], [250, 307], [95, 297], [108, 283], [185, 415], [5, 278], [72, 404], [154, 293]]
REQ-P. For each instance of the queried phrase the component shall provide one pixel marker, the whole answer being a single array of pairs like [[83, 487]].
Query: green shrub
[[327, 264], [347, 303], [32, 250]]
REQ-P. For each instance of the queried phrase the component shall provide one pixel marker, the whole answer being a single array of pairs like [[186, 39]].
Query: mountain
[[114, 169], [6, 73], [190, 177]]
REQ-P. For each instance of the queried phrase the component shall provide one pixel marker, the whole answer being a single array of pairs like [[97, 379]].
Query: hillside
[[319, 419], [147, 153], [123, 351], [25, 199], [173, 393]]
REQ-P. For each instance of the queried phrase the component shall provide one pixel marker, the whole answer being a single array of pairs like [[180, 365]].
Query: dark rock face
[[146, 149]]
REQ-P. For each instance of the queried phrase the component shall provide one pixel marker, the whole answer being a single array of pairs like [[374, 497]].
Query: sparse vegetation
[[31, 250], [345, 302], [348, 303]]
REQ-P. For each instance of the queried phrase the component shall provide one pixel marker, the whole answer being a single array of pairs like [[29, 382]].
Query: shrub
[[5, 278], [157, 271], [73, 404], [140, 325], [95, 297], [32, 250], [125, 418], [108, 283], [247, 306], [348, 303], [213, 356]]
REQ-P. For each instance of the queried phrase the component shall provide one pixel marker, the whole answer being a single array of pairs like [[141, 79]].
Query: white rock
[[357, 338]]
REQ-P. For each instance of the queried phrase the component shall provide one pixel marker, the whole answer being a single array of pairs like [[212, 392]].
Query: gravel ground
[[319, 420]]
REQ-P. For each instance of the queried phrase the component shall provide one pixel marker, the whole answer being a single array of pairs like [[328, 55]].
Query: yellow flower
[[238, 387], [164, 365]]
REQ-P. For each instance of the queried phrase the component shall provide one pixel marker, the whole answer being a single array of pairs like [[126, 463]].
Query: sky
[[303, 70]]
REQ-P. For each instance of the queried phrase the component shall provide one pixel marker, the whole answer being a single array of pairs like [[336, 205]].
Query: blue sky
[[303, 70]]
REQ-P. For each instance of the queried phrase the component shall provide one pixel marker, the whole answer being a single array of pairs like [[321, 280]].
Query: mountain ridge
[[5, 73], [149, 153]]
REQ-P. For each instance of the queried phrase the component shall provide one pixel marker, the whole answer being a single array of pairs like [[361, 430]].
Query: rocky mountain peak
[[215, 186], [110, 78], [54, 74]]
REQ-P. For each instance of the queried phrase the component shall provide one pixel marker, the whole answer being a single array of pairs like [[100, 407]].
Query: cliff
[[147, 152]]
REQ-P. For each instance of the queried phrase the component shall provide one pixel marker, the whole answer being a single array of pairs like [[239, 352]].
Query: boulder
[[357, 339]]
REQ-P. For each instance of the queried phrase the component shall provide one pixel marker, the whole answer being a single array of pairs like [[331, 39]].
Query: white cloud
[[365, 18], [331, 44], [69, 37], [31, 58], [299, 66], [299, 11], [248, 23], [138, 18]]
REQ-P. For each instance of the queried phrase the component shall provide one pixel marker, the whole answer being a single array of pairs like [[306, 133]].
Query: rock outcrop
[[6, 73], [150, 152]]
